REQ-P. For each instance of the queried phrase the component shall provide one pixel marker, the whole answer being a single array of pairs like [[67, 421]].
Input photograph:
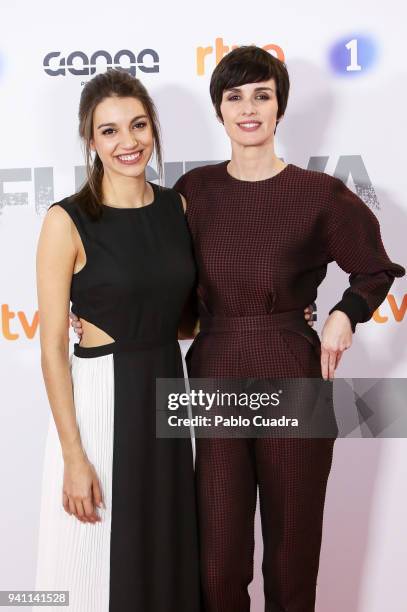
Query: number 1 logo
[[353, 48], [353, 55]]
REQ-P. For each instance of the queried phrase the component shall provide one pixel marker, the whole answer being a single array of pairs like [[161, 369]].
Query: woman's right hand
[[76, 324], [309, 315], [81, 490]]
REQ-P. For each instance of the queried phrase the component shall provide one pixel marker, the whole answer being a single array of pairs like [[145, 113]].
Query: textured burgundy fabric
[[292, 476], [264, 246], [262, 249]]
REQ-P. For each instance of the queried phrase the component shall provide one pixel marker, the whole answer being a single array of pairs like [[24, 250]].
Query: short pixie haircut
[[249, 64]]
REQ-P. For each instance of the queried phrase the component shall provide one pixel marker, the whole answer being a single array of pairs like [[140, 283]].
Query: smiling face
[[249, 113], [122, 136]]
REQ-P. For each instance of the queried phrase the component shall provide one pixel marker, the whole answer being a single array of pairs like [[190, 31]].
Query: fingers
[[75, 324], [324, 363], [65, 503], [83, 509], [79, 512], [90, 510], [328, 363], [77, 327], [309, 315], [71, 504], [331, 364], [97, 494]]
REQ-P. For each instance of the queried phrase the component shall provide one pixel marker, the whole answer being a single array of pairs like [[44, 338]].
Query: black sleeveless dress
[[142, 556]]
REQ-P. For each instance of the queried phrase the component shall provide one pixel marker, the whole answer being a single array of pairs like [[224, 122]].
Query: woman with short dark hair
[[249, 64], [264, 232]]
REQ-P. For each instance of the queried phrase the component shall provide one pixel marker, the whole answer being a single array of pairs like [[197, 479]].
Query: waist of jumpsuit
[[247, 324], [124, 345]]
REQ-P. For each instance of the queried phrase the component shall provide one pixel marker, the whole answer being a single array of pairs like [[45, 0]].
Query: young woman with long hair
[[118, 517]]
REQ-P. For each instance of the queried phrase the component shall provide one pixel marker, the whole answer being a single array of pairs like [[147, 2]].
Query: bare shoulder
[[57, 223], [57, 214], [57, 234]]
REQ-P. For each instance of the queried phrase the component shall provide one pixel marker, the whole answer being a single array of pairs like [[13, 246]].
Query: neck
[[254, 163], [126, 191]]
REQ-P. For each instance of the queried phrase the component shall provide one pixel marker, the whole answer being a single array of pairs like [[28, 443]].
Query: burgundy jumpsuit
[[262, 249]]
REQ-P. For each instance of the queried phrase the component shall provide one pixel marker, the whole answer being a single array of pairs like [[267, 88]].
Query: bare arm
[[56, 254]]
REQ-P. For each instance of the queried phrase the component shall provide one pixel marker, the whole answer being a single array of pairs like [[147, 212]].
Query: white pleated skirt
[[75, 556]]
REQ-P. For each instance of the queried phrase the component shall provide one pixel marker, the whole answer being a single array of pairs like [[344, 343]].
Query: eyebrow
[[256, 89], [114, 124]]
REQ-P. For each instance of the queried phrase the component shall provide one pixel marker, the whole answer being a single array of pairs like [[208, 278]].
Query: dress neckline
[[137, 208], [261, 181]]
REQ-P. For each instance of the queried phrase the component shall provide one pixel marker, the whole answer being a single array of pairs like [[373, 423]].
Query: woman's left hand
[[336, 337]]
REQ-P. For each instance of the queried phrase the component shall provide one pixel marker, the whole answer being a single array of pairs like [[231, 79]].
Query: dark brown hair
[[113, 82], [249, 64]]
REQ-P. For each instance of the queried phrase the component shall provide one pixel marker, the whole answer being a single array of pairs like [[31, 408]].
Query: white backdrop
[[350, 123]]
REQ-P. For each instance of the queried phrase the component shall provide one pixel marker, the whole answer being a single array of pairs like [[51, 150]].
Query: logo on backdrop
[[42, 180], [219, 50], [79, 63], [353, 55]]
